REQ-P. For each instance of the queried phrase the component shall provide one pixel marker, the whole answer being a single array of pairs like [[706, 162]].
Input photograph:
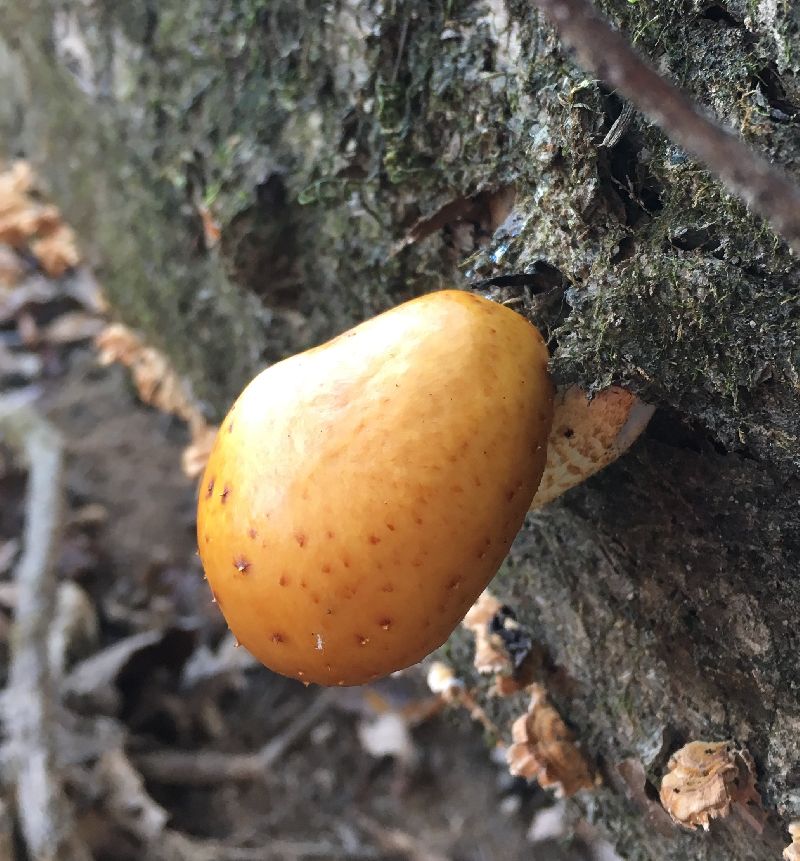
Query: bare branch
[[767, 190], [31, 700], [202, 768]]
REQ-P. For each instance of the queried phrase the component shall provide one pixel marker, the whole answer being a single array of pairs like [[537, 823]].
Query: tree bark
[[353, 154]]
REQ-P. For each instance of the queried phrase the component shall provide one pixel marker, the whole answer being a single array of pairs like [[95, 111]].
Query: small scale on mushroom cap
[[360, 496]]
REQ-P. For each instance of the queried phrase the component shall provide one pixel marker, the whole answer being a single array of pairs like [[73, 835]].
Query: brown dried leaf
[[705, 780], [544, 749], [792, 852], [56, 251], [159, 386], [15, 180], [25, 221]]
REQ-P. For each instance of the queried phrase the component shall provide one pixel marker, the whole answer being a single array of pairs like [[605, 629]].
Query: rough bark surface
[[318, 134]]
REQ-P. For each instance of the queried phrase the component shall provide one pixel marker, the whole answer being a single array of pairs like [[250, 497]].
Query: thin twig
[[31, 700], [204, 768], [766, 189], [397, 841]]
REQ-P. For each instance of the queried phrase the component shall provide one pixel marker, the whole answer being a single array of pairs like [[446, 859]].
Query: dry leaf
[[792, 852], [159, 386], [57, 251], [544, 749], [24, 221], [705, 780]]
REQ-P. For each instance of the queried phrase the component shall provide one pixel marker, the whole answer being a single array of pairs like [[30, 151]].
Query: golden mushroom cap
[[360, 496]]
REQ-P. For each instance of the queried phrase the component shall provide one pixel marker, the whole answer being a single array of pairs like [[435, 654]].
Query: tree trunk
[[353, 154]]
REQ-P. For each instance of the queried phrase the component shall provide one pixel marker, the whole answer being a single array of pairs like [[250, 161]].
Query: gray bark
[[319, 133]]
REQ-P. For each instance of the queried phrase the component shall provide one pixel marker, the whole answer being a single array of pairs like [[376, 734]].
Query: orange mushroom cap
[[361, 495]]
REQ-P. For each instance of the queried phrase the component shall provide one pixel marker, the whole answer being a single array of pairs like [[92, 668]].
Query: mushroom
[[361, 495], [587, 435], [707, 780]]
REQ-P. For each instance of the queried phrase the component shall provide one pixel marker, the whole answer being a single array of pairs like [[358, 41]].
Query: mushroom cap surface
[[361, 495]]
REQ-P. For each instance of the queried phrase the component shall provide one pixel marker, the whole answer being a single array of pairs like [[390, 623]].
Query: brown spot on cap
[[277, 637], [373, 539], [225, 493], [252, 532], [385, 623], [210, 489], [362, 640], [241, 564], [284, 580]]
